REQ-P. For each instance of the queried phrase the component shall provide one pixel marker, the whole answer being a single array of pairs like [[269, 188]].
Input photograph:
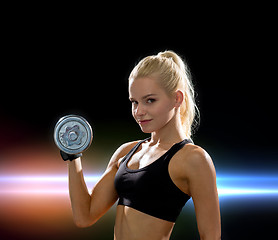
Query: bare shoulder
[[121, 152], [192, 160], [196, 156]]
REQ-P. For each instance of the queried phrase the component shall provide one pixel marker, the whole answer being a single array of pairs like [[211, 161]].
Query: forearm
[[79, 195]]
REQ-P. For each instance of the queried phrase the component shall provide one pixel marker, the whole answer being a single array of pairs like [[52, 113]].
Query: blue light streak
[[233, 185], [229, 185]]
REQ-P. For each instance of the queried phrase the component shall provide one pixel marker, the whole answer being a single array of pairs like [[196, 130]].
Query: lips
[[144, 121]]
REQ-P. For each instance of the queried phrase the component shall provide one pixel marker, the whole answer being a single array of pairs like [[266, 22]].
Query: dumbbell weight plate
[[73, 134]]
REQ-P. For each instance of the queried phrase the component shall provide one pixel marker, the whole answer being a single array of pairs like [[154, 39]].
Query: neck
[[171, 133]]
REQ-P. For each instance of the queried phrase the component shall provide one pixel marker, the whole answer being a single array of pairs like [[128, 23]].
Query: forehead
[[142, 86]]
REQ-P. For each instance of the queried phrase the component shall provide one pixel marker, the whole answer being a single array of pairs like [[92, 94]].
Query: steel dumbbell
[[73, 134]]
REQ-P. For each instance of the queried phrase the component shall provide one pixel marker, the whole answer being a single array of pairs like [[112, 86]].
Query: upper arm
[[201, 179], [104, 194]]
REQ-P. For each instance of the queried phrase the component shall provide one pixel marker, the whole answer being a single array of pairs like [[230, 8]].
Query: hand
[[70, 157]]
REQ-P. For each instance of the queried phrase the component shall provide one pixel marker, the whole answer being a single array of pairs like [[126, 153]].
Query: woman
[[153, 178]]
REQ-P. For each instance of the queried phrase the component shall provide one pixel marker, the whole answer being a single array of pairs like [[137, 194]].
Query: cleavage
[[144, 157]]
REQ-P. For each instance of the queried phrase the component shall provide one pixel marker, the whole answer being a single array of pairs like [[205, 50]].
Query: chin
[[148, 129], [153, 128], [144, 130]]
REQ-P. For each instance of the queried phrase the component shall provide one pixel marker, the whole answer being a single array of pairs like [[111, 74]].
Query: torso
[[145, 155], [132, 224]]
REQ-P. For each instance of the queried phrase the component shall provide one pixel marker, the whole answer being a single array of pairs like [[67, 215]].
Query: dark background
[[49, 69], [53, 67]]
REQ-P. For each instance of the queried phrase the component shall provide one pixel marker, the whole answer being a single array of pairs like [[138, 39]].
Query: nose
[[140, 110]]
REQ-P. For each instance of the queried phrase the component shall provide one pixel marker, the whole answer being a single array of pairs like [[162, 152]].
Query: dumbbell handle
[[69, 157]]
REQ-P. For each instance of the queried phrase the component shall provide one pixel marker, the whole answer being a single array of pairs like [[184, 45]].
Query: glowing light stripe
[[39, 185], [56, 179], [239, 191], [246, 183], [228, 185], [232, 185], [35, 191]]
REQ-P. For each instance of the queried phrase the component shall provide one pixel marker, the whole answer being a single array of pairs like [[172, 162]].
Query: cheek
[[164, 111], [132, 112]]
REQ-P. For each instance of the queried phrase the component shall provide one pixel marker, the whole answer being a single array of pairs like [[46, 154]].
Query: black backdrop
[[50, 69]]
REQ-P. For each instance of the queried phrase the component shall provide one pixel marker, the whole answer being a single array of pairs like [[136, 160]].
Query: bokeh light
[[34, 196]]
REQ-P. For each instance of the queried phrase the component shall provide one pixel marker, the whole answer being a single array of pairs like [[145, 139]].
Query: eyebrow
[[146, 96], [149, 95]]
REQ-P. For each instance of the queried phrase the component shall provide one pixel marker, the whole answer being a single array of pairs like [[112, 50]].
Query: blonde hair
[[173, 74]]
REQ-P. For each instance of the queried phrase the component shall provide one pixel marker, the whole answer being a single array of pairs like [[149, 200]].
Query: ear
[[179, 97]]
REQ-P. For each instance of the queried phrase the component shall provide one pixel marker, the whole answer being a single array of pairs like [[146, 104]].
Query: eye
[[133, 102], [151, 100]]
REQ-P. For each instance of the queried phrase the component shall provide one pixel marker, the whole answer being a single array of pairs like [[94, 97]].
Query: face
[[152, 107]]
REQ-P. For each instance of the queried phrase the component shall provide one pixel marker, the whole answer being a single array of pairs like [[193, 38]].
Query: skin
[[191, 169]]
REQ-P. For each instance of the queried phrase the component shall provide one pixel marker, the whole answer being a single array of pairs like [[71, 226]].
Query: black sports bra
[[150, 189]]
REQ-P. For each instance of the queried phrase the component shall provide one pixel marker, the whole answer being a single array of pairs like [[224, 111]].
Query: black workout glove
[[70, 157]]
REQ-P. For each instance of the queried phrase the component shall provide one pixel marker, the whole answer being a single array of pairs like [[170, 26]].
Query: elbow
[[83, 219], [83, 223]]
